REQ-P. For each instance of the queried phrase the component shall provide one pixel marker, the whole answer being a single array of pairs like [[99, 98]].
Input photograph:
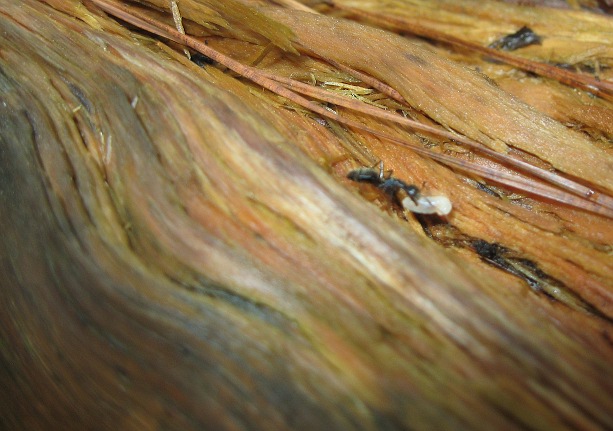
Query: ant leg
[[412, 192], [383, 175]]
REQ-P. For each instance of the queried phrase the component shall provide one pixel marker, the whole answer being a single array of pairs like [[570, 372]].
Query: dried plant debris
[[495, 135]]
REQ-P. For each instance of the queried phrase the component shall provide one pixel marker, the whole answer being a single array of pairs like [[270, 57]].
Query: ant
[[390, 185], [414, 201]]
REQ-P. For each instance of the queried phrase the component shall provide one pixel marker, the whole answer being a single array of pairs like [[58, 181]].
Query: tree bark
[[182, 250]]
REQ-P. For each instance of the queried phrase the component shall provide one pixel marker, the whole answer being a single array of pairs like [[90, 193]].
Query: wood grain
[[181, 251]]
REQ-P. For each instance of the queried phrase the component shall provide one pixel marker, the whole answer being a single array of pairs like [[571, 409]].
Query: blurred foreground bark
[[181, 249]]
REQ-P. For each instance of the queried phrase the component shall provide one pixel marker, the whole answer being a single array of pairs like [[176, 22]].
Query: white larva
[[440, 205]]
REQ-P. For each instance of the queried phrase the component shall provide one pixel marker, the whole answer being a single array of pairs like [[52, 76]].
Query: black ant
[[390, 185]]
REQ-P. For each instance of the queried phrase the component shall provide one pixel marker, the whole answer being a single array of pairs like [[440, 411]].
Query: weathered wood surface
[[181, 251]]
